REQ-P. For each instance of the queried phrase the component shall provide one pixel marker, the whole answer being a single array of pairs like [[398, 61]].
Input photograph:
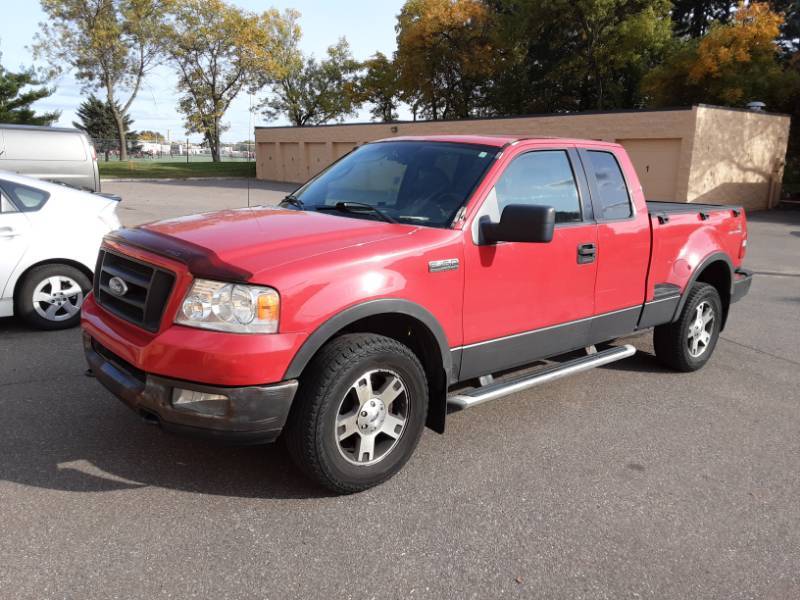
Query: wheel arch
[[716, 270], [405, 321], [51, 261]]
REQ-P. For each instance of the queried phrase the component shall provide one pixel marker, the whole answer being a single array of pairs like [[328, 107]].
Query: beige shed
[[698, 154]]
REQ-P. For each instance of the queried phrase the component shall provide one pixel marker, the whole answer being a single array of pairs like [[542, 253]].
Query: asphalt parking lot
[[629, 481]]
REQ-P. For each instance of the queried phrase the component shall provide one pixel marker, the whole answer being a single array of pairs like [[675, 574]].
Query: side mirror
[[521, 223]]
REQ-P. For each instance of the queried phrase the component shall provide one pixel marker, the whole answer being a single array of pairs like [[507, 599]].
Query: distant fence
[[163, 151]]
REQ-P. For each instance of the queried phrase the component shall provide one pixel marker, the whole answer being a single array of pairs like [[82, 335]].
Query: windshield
[[423, 183]]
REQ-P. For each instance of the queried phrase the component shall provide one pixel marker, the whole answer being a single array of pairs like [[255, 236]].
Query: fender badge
[[448, 264]]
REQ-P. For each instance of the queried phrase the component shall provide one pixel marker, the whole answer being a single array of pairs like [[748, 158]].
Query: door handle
[[7, 233], [586, 253]]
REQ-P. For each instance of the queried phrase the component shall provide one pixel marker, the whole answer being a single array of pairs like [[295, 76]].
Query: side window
[[614, 200], [28, 199], [541, 177]]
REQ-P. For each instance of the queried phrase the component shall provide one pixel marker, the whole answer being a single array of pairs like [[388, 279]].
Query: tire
[[349, 394], [688, 343], [50, 296]]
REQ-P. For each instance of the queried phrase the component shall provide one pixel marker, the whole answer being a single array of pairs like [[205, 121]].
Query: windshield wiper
[[356, 207], [293, 200]]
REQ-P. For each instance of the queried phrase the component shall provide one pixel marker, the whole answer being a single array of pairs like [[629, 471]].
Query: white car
[[50, 235]]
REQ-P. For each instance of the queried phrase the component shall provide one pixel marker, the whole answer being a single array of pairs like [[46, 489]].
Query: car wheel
[[50, 296], [688, 343], [359, 413]]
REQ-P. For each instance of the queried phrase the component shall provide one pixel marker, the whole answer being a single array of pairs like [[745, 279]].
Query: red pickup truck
[[413, 275]]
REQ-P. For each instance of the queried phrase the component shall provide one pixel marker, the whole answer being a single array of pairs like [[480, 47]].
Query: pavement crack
[[754, 349]]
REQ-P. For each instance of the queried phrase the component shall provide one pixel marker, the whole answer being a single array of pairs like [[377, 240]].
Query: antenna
[[249, 148]]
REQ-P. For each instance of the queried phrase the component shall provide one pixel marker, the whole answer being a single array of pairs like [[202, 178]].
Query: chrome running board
[[544, 375]]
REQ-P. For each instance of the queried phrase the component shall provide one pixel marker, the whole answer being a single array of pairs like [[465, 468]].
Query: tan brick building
[[698, 154]]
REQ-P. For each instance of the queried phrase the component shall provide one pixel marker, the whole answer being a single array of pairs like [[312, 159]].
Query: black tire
[[65, 316], [671, 341], [326, 384]]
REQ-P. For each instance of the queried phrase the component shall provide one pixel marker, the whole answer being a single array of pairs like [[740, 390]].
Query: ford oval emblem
[[117, 286]]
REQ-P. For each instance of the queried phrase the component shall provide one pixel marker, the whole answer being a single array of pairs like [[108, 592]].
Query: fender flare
[[371, 308], [711, 258]]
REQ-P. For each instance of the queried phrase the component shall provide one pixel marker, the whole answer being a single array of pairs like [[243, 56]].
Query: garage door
[[656, 163]]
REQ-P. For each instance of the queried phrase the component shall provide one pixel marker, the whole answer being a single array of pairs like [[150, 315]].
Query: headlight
[[230, 307]]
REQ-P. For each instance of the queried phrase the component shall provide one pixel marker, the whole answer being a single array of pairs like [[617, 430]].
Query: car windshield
[[424, 183]]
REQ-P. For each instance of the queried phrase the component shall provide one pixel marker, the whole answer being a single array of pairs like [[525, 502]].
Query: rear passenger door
[[14, 238], [623, 242], [524, 301]]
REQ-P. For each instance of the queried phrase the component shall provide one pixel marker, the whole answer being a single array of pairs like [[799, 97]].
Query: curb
[[132, 179]]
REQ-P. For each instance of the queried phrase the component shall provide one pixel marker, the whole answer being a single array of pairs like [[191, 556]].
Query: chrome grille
[[142, 295]]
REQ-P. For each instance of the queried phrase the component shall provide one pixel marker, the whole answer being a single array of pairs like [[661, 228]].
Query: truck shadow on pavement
[[63, 431]]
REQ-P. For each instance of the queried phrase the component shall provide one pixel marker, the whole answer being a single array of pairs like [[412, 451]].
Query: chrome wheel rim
[[700, 329], [57, 298], [372, 417]]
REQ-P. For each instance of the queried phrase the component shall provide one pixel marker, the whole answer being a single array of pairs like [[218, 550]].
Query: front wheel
[[359, 413], [50, 296], [687, 344]]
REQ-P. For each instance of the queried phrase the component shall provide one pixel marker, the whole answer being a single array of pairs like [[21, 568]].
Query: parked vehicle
[[411, 275], [49, 238], [50, 153]]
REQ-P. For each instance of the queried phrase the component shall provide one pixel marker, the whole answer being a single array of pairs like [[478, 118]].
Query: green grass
[[175, 169]]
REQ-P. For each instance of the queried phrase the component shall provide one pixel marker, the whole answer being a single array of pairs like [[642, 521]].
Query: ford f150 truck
[[412, 275]]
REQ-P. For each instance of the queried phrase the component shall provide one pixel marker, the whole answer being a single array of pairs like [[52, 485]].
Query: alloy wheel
[[701, 329], [57, 298], [372, 417]]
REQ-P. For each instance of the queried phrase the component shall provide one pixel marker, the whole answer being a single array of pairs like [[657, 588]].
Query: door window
[[542, 178], [612, 190]]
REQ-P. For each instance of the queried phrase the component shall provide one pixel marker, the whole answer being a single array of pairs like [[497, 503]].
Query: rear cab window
[[611, 190]]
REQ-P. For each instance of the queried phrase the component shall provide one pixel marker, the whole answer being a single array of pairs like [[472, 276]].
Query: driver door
[[525, 301]]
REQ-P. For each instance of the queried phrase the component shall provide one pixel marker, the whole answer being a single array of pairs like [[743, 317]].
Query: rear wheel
[[688, 343], [359, 413], [50, 296]]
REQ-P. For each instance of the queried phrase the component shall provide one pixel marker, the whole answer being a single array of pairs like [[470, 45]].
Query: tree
[[16, 98], [565, 55], [218, 50], [109, 44], [731, 65], [312, 92], [444, 55], [152, 136], [98, 121], [693, 18], [380, 87]]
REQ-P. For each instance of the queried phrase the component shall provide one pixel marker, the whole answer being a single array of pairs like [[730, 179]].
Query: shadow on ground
[[62, 430]]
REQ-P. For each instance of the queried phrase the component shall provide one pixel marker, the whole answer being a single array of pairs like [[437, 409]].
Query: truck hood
[[254, 240]]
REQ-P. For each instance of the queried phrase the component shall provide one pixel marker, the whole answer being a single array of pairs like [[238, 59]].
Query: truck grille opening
[[119, 362], [139, 292]]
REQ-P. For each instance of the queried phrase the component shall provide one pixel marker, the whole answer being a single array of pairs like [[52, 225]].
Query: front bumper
[[251, 415], [742, 279]]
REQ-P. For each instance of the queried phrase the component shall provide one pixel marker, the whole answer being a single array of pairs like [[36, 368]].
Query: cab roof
[[498, 141]]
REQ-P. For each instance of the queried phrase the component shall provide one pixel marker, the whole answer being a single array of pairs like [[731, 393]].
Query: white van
[[50, 153]]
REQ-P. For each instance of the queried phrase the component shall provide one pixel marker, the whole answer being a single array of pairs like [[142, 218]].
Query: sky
[[368, 26]]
